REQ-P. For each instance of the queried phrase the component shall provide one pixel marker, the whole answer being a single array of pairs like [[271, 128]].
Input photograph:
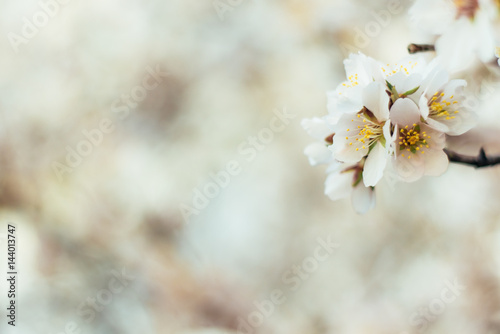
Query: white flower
[[320, 129], [442, 103], [343, 182], [364, 133], [357, 131], [466, 29], [386, 114], [360, 72], [419, 149]]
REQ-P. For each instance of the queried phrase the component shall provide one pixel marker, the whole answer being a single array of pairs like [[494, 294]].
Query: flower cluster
[[386, 115], [466, 29]]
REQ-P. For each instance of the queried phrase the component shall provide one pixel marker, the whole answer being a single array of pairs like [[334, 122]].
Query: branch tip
[[415, 48], [482, 160]]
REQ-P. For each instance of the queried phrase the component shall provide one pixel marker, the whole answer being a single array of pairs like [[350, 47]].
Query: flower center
[[366, 130], [413, 140], [389, 69], [439, 107], [467, 8], [353, 81]]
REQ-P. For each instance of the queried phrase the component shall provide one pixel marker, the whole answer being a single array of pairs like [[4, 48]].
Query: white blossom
[[386, 114], [465, 29], [418, 142], [343, 180]]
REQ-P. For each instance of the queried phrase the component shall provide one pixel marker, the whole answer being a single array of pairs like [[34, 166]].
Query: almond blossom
[[465, 29], [418, 142], [386, 114], [343, 180]]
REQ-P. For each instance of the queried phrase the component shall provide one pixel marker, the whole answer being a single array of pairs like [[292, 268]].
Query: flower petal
[[423, 103], [376, 100], [454, 87], [375, 165], [348, 105], [335, 166], [344, 152], [463, 122], [366, 68], [316, 128], [436, 138], [435, 81], [345, 134], [409, 170], [436, 162], [339, 185], [404, 83], [363, 199], [344, 100], [318, 153], [440, 126], [405, 112]]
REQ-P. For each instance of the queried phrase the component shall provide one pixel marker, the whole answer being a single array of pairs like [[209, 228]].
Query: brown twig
[[415, 48], [480, 161]]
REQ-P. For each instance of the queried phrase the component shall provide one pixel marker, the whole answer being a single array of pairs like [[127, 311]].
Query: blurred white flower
[[465, 29]]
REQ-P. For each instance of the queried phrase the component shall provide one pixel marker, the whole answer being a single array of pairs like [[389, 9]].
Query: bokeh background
[[229, 73]]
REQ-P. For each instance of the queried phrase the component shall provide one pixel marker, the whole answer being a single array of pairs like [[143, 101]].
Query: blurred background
[[152, 163]]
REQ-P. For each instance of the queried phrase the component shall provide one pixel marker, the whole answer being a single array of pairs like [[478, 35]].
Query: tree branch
[[414, 48], [480, 161]]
